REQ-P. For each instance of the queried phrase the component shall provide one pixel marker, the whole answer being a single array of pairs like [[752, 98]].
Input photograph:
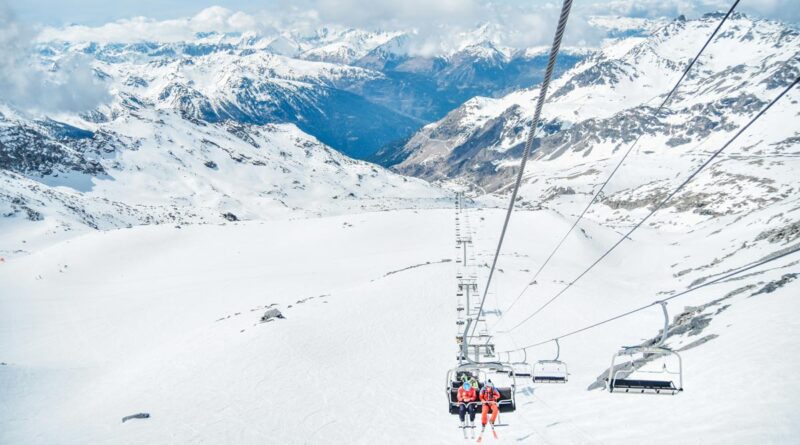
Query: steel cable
[[726, 276], [661, 203], [562, 24], [619, 164]]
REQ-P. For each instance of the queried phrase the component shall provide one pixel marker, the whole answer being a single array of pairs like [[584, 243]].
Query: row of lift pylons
[[477, 356]]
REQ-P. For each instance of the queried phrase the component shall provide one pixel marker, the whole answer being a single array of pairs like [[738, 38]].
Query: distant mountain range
[[230, 127], [355, 90], [151, 166], [602, 104]]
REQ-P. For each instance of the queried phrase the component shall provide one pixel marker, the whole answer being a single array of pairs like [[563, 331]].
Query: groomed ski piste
[[167, 321]]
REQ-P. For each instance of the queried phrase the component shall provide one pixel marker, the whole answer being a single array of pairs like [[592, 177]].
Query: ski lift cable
[[724, 277], [562, 24], [617, 167], [660, 204]]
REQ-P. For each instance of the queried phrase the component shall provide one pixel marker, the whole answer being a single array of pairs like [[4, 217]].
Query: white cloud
[[437, 25], [69, 86], [783, 10], [653, 8], [398, 13], [441, 25], [136, 29]]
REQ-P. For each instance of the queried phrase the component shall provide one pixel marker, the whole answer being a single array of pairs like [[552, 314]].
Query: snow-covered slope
[[129, 282], [148, 166], [166, 321]]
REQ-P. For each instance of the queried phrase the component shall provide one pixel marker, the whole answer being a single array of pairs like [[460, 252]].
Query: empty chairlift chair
[[522, 368], [645, 370], [551, 371]]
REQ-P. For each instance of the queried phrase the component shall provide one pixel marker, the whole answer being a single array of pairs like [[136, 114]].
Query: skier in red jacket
[[466, 395], [489, 396]]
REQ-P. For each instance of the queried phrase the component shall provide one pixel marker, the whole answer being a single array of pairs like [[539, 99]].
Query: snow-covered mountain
[[166, 321], [219, 127], [347, 87], [602, 104], [115, 299], [143, 165], [345, 46], [482, 68], [221, 81]]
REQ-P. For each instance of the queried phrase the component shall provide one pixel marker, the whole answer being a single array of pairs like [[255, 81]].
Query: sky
[[437, 25], [361, 12], [517, 23]]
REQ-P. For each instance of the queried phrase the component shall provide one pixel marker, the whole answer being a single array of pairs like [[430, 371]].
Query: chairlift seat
[[550, 371], [656, 386], [505, 403], [549, 379], [658, 351]]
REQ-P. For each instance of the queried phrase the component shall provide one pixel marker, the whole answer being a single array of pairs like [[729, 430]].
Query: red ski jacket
[[489, 395], [466, 396]]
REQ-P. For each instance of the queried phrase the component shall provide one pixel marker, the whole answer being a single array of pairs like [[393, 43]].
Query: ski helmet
[[467, 386]]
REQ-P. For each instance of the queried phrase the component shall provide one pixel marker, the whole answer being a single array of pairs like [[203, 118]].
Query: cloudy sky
[[516, 23], [373, 12]]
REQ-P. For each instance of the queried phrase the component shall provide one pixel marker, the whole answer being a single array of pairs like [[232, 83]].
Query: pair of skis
[[480, 436], [471, 430]]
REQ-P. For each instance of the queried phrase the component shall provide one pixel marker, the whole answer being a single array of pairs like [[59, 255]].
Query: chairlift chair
[[485, 350], [483, 372], [551, 371], [468, 283], [521, 368], [636, 377]]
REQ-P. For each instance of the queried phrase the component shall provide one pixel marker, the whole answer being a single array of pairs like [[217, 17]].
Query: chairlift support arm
[[666, 323]]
